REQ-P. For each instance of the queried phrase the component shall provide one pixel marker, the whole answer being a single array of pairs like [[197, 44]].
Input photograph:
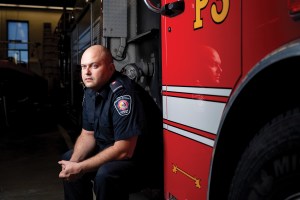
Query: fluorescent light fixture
[[34, 6]]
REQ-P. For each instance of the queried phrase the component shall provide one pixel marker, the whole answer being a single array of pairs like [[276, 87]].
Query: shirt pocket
[[104, 135]]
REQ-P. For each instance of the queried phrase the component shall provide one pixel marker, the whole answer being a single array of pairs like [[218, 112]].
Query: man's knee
[[103, 174], [114, 171]]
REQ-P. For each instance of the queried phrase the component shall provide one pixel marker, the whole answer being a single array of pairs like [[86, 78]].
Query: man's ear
[[112, 66]]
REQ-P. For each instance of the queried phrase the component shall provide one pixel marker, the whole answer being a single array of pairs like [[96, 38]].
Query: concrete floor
[[29, 168], [31, 143], [29, 150]]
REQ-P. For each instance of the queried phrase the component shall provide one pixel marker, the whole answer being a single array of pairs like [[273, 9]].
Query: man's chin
[[89, 85]]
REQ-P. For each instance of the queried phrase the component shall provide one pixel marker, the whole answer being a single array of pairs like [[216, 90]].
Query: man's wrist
[[82, 167]]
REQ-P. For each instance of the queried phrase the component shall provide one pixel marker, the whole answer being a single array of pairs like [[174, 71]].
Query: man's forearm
[[122, 149], [84, 145]]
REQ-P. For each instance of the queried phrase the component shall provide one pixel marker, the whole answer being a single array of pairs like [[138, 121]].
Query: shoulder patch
[[115, 85], [123, 105]]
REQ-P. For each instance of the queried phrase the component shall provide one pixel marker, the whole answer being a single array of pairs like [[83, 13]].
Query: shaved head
[[98, 51], [96, 67]]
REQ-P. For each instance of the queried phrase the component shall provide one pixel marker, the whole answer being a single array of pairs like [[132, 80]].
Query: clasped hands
[[70, 171]]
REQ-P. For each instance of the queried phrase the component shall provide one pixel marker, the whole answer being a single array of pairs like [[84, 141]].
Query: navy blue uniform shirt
[[113, 113], [123, 109]]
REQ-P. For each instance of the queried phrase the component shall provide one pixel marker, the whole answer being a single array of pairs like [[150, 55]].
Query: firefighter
[[112, 154]]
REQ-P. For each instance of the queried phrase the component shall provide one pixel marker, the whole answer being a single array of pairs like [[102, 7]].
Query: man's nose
[[219, 69], [87, 71]]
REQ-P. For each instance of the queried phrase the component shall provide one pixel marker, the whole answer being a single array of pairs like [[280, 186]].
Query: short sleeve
[[128, 115]]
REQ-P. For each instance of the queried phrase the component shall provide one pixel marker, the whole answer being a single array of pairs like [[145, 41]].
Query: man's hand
[[70, 170]]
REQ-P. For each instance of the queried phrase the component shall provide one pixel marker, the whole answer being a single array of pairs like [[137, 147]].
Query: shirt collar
[[105, 90]]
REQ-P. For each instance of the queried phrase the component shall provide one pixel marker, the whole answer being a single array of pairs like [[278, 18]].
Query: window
[[17, 36]]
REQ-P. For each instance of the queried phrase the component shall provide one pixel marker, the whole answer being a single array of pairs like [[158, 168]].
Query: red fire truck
[[225, 74], [230, 96]]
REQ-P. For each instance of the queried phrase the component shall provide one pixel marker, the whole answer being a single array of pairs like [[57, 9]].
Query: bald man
[[112, 142]]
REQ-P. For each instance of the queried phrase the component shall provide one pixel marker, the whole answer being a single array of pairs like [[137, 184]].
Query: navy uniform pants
[[112, 181]]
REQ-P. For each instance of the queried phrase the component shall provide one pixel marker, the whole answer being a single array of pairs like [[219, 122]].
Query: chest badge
[[123, 105]]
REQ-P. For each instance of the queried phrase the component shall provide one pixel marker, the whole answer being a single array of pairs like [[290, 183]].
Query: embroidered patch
[[123, 105]]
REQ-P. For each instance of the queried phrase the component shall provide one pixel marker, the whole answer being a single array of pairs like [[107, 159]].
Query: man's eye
[[95, 66]]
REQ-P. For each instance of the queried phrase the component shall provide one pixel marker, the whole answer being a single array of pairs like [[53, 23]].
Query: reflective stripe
[[199, 114], [196, 113], [190, 135], [198, 90]]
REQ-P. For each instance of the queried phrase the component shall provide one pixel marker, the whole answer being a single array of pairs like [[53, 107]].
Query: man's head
[[211, 62], [96, 67], [215, 65]]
